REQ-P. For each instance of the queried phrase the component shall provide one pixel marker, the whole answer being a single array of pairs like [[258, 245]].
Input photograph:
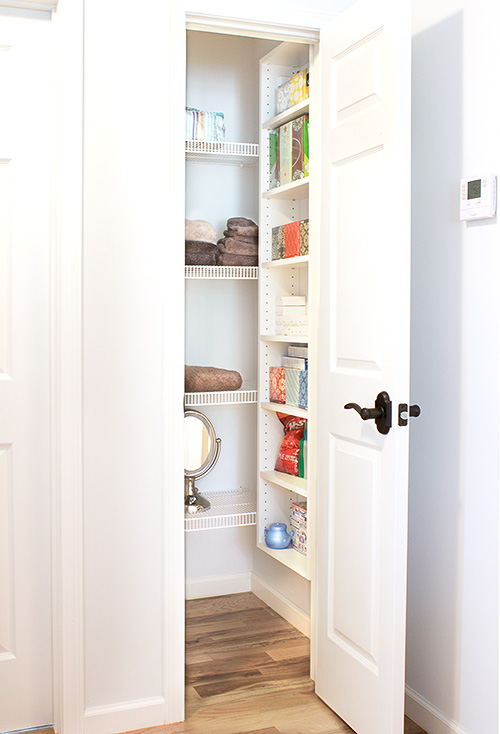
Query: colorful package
[[285, 153], [288, 456], [304, 237], [277, 385], [283, 97], [292, 239], [303, 385], [299, 87], [274, 173], [278, 242], [292, 386], [300, 147]]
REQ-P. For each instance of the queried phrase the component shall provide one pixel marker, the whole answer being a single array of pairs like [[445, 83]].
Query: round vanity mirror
[[201, 451], [199, 443]]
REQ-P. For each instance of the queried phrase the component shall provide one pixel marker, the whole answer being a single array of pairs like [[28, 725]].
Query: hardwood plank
[[247, 672]]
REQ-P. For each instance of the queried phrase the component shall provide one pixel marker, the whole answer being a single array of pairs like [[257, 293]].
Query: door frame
[[309, 33], [67, 355]]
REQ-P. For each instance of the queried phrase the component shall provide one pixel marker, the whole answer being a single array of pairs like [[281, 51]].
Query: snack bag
[[288, 456]]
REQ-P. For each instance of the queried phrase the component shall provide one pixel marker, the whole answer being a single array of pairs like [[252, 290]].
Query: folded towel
[[240, 237], [201, 258], [240, 222], [201, 253], [198, 229], [228, 258], [227, 244], [210, 379], [250, 231]]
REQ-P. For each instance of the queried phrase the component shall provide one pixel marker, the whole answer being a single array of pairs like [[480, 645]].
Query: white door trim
[[66, 371]]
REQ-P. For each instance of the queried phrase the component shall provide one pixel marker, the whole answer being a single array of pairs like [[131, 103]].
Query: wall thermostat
[[478, 197]]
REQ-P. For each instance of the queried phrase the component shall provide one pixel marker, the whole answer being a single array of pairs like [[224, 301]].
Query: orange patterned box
[[277, 390]]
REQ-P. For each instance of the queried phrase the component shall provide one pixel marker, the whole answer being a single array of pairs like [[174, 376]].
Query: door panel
[[25, 591], [364, 349]]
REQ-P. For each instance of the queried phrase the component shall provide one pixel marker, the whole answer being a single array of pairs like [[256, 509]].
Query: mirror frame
[[205, 467]]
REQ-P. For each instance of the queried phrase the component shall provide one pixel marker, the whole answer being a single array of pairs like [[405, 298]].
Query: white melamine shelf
[[279, 338], [295, 190], [229, 509], [288, 557], [222, 153], [220, 272], [302, 108], [287, 262], [287, 481], [284, 408], [220, 397]]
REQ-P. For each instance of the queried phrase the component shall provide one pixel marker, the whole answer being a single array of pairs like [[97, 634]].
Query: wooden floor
[[247, 672]]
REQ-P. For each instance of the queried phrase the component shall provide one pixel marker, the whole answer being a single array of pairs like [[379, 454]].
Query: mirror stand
[[194, 501]]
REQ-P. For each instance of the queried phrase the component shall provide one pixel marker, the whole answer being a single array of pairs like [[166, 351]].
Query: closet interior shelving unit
[[268, 496], [289, 276]]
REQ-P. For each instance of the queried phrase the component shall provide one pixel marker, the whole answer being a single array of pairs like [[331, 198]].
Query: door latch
[[404, 413]]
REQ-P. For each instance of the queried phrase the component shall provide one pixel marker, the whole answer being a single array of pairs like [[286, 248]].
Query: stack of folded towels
[[200, 243], [240, 244], [238, 247]]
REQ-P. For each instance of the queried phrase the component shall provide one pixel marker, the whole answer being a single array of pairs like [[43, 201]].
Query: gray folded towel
[[240, 222], [201, 253], [227, 244], [241, 237], [198, 229], [229, 258], [250, 231]]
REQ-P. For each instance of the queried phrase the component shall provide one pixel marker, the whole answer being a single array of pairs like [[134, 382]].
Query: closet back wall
[[221, 315], [222, 76]]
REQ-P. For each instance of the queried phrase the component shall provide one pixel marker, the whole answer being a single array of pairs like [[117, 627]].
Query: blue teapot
[[277, 537]]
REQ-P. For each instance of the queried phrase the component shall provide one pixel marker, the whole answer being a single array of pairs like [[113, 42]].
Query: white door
[[364, 350], [25, 594]]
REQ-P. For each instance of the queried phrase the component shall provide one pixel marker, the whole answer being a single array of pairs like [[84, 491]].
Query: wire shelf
[[221, 397], [225, 153], [229, 509], [208, 272]]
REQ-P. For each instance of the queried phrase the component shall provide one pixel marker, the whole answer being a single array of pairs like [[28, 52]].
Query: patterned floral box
[[303, 384], [290, 240], [292, 386], [283, 96], [298, 521], [299, 87], [277, 385]]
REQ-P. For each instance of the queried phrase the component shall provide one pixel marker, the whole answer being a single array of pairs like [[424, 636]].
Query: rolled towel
[[198, 229], [228, 258], [211, 379], [201, 253], [227, 244], [241, 238], [240, 222]]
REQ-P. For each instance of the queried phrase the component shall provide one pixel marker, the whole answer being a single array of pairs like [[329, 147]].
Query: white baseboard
[[218, 585], [122, 717], [283, 606], [423, 713]]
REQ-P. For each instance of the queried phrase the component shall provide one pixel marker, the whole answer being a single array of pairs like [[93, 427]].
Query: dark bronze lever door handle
[[381, 413]]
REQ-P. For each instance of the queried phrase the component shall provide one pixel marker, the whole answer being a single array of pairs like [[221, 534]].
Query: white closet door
[[364, 349], [25, 592]]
